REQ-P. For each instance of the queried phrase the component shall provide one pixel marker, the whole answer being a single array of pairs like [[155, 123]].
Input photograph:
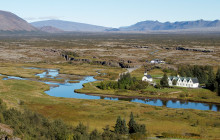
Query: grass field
[[99, 113]]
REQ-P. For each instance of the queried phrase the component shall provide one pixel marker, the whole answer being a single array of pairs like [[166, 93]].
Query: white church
[[147, 77], [183, 81]]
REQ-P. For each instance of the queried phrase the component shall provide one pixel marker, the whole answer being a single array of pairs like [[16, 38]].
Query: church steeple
[[145, 73]]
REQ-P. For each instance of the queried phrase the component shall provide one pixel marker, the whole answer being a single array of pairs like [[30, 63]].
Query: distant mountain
[[69, 26], [50, 29], [11, 22], [156, 25], [112, 29]]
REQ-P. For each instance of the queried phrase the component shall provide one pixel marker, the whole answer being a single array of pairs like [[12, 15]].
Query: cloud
[[41, 18]]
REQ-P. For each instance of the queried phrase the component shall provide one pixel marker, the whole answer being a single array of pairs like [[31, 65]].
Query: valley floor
[[99, 113]]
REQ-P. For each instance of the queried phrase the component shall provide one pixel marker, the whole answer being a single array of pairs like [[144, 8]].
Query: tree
[[81, 128], [218, 76], [135, 127], [81, 132], [218, 81], [218, 90], [174, 82], [211, 83], [131, 124], [200, 74], [124, 127], [120, 126], [181, 71], [164, 81]]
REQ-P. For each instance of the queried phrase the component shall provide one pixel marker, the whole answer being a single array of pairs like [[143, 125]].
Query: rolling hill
[[50, 29], [11, 22], [69, 26]]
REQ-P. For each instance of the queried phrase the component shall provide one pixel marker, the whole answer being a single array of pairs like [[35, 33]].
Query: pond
[[67, 90]]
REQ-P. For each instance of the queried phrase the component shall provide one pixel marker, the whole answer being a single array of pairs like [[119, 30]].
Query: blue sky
[[113, 13]]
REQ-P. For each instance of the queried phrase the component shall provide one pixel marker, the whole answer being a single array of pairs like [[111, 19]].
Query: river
[[67, 90]]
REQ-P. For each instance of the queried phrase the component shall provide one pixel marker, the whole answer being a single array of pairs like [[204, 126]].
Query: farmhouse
[[147, 77], [183, 81]]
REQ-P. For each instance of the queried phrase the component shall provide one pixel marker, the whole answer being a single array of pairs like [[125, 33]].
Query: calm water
[[67, 90], [50, 73]]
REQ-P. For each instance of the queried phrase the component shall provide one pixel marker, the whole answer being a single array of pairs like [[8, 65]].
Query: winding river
[[67, 90]]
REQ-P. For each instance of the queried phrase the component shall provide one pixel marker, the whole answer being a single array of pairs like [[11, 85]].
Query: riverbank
[[183, 94]]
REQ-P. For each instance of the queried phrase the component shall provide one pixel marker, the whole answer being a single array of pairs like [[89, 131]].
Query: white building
[[157, 61], [183, 81], [147, 77]]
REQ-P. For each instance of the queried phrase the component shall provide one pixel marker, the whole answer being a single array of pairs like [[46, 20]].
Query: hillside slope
[[11, 22]]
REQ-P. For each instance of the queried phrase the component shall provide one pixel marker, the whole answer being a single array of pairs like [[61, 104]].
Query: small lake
[[67, 90]]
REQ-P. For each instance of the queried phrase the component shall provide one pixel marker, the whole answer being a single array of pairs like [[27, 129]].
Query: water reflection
[[49, 73]]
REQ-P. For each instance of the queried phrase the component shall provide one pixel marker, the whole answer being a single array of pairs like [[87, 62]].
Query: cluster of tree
[[133, 127], [30, 125], [205, 75], [121, 131], [201, 72], [213, 81], [125, 82]]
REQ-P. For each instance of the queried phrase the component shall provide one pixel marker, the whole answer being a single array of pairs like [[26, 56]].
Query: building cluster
[[183, 81], [157, 61], [176, 81]]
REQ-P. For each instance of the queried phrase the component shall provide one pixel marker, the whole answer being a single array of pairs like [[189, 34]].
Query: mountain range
[[11, 22], [159, 26]]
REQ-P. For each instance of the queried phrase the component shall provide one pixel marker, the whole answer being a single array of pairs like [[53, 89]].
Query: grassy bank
[[99, 113], [199, 95], [107, 73]]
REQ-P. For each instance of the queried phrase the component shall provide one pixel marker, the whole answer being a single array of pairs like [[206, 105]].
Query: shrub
[[182, 95]]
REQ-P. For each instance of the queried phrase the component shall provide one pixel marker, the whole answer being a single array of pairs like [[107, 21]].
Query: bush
[[182, 95], [95, 135]]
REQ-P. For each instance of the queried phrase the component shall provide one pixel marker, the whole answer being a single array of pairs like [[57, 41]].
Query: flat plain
[[107, 53]]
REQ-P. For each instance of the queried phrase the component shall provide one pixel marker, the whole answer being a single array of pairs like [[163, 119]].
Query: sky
[[113, 13]]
